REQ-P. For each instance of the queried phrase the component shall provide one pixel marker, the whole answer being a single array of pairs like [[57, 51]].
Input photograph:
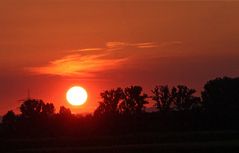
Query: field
[[183, 142]]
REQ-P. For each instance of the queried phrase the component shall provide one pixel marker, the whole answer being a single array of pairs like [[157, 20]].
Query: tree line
[[132, 100], [124, 109]]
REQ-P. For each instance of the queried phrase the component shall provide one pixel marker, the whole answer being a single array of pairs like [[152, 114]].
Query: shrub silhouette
[[9, 118]]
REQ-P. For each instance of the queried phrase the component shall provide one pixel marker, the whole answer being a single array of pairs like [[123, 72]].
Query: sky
[[48, 46]]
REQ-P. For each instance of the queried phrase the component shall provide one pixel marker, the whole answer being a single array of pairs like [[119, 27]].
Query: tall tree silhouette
[[110, 102], [163, 97], [133, 100], [221, 95], [184, 97], [177, 98]]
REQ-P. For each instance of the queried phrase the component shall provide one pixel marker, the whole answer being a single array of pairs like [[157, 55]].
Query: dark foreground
[[184, 142]]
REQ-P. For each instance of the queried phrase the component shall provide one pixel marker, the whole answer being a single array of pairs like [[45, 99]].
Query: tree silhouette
[[31, 108], [36, 108], [163, 98], [178, 98], [184, 97], [48, 109], [110, 102], [64, 112], [221, 95], [133, 100]]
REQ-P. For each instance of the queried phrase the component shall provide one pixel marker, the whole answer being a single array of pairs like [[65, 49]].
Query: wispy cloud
[[88, 49], [86, 61], [146, 45], [78, 65], [121, 45]]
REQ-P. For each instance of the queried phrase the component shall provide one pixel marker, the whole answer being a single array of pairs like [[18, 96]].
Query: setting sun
[[76, 95]]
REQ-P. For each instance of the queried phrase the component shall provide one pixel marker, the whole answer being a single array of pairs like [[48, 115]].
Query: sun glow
[[76, 95]]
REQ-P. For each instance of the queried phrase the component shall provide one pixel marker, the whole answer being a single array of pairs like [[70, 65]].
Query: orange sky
[[50, 45]]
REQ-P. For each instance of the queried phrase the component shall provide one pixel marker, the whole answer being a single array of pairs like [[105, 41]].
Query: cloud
[[146, 45], [120, 45], [116, 45], [88, 49], [87, 61], [77, 65]]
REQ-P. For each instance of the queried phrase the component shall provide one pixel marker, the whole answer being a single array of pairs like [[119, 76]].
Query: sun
[[76, 95]]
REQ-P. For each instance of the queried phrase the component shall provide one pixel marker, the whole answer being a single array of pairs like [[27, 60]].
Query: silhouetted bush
[[9, 118]]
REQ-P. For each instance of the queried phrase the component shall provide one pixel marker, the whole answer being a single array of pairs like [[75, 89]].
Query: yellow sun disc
[[76, 96]]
